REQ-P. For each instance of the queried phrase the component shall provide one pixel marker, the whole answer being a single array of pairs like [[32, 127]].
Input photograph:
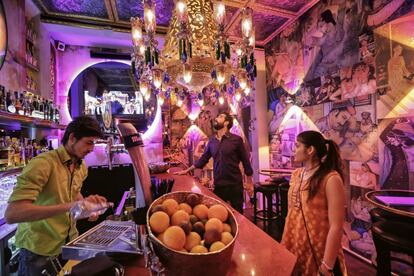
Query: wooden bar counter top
[[255, 252]]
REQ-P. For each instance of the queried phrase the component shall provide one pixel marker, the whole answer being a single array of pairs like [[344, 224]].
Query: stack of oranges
[[191, 226]]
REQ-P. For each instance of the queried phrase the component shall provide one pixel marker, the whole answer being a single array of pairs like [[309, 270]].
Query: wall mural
[[347, 69]]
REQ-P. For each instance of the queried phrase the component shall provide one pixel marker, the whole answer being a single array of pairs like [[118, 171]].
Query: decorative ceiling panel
[[230, 12], [129, 8], [269, 15], [265, 24], [91, 8], [290, 5]]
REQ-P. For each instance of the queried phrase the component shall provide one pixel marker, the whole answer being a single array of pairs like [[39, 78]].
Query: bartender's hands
[[95, 199]]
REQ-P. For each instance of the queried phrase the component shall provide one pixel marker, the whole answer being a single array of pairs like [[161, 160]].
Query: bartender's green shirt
[[46, 180]]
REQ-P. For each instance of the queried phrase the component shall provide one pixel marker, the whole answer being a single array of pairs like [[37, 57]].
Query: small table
[[399, 202]]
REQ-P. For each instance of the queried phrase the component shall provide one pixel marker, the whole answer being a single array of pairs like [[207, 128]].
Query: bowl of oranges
[[192, 234]]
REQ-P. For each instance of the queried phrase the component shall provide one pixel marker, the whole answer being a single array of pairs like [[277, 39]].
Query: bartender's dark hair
[[327, 152], [82, 126], [229, 119]]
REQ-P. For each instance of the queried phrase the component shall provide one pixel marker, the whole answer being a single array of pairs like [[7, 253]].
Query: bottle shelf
[[16, 120]]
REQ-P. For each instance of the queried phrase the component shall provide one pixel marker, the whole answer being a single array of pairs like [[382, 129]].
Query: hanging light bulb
[[182, 11], [247, 90], [179, 102], [239, 49], [136, 30], [252, 39], [242, 79], [161, 99], [143, 88], [147, 97], [221, 100], [221, 73], [157, 77], [149, 16], [247, 22], [142, 49], [219, 12], [238, 97], [187, 73]]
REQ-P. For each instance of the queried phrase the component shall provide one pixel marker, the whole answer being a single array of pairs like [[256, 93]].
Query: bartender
[[227, 150], [46, 190]]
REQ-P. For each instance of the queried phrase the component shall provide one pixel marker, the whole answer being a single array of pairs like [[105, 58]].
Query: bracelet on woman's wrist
[[330, 269]]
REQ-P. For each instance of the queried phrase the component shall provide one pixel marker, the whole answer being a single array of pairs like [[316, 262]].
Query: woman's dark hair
[[328, 154], [82, 126]]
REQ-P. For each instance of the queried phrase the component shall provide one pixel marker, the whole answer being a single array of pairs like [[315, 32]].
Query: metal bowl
[[182, 263]]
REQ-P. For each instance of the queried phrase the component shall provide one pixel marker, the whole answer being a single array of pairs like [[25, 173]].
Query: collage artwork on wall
[[347, 69]]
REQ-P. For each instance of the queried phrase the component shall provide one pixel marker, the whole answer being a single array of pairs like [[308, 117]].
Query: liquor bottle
[[4, 154], [41, 108], [2, 97], [57, 115], [51, 111], [50, 147], [10, 150], [21, 152], [9, 103], [17, 103], [16, 155], [46, 109], [28, 149]]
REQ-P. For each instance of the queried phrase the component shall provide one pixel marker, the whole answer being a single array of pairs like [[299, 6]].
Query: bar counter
[[255, 252]]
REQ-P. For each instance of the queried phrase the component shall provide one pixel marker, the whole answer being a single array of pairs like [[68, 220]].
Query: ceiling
[[270, 16]]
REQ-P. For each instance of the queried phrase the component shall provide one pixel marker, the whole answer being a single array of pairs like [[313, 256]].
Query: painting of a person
[[400, 78], [281, 109], [365, 177], [398, 155]]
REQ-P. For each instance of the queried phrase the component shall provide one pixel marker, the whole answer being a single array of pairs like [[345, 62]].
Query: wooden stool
[[392, 236], [267, 191]]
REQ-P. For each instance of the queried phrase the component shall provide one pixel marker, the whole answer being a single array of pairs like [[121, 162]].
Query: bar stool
[[392, 236], [267, 190]]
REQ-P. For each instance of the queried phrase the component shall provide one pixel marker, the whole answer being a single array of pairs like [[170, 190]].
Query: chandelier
[[196, 53]]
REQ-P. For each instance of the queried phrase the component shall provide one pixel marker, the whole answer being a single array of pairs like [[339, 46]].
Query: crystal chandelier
[[196, 53]]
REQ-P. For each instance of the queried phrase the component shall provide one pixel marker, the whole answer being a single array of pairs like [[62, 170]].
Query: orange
[[159, 221], [200, 211], [214, 223], [217, 246], [193, 239], [171, 206], [199, 249], [226, 227], [174, 237], [218, 211], [226, 238], [179, 216], [185, 207]]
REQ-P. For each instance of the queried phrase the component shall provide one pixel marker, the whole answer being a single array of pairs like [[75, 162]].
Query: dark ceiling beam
[[119, 26]]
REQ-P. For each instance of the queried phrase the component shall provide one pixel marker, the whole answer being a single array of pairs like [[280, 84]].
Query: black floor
[[354, 265]]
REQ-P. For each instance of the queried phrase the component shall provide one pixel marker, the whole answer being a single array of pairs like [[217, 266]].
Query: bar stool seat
[[378, 214], [267, 190], [392, 236]]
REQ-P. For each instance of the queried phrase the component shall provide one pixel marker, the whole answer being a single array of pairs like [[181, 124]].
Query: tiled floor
[[354, 265]]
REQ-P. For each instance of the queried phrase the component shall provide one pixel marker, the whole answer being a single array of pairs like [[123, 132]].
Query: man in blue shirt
[[228, 151]]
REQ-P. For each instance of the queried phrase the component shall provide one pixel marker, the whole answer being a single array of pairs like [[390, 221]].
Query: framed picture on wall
[[3, 35]]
